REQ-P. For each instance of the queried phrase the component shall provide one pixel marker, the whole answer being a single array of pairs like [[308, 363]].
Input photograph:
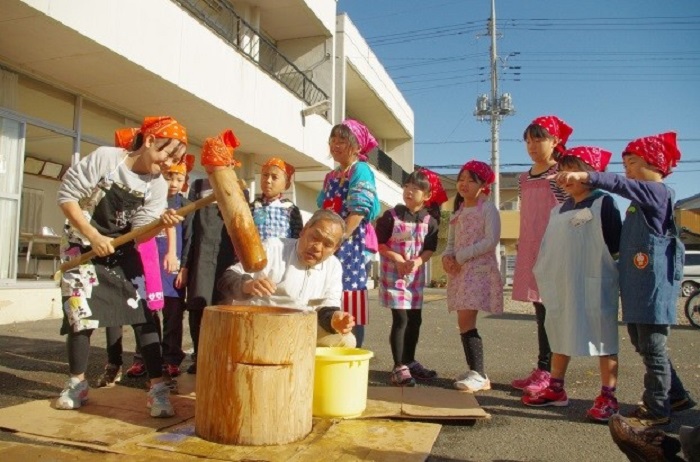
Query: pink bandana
[[364, 138], [438, 196], [660, 151], [595, 157], [482, 170], [556, 127]]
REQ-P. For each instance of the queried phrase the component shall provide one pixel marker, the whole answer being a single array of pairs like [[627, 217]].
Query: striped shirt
[[558, 192]]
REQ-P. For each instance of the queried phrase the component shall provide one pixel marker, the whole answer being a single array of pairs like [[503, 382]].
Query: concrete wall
[[362, 58], [237, 86]]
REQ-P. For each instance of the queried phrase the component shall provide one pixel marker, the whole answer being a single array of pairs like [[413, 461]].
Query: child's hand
[[171, 218], [181, 279], [101, 245], [171, 263], [411, 266], [564, 178], [401, 268], [263, 287], [450, 265], [342, 322]]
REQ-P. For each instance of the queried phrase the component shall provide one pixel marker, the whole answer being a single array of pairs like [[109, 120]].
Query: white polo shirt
[[297, 283]]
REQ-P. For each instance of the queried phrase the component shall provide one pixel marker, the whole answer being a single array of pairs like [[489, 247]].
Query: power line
[[519, 165], [517, 140]]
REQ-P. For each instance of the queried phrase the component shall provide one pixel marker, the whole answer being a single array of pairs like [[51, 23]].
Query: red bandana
[[438, 196], [595, 157], [482, 170], [555, 127], [660, 151]]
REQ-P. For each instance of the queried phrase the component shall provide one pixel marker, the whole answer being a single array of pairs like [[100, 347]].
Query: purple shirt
[[652, 197]]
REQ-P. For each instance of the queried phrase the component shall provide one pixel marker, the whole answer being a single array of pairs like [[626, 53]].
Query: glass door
[[11, 167]]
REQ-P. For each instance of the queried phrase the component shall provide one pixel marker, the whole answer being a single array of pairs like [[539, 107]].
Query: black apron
[[211, 253], [107, 291]]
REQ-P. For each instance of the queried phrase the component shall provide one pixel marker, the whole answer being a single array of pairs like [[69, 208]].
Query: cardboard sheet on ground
[[16, 452], [116, 420], [329, 440], [111, 415], [421, 403], [399, 402]]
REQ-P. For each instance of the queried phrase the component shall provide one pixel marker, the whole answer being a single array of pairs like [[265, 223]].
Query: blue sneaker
[[159, 401]]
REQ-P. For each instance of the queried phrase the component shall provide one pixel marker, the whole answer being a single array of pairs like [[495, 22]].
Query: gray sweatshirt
[[107, 163]]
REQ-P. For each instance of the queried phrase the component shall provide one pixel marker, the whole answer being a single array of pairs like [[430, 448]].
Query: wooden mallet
[[217, 159], [138, 232]]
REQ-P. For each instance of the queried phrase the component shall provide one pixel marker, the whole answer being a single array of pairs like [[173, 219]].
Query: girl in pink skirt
[[474, 282]]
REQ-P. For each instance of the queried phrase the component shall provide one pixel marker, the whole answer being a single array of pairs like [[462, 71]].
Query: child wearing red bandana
[[407, 237], [650, 266], [577, 278], [545, 138], [474, 281]]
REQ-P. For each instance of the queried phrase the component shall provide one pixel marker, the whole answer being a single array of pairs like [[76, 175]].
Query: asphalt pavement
[[33, 366]]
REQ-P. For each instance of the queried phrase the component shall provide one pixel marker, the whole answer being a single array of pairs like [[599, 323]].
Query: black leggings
[[78, 344], [114, 341], [544, 355], [195, 320], [405, 330]]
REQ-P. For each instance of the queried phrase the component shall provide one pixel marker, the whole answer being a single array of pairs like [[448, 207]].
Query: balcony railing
[[386, 164], [223, 20]]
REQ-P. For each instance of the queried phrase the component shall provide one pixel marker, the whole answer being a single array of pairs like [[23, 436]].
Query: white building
[[280, 73]]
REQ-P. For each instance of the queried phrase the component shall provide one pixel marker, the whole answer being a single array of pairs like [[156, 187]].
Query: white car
[[691, 272]]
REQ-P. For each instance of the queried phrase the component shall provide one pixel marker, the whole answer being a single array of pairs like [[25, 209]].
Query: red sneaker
[[540, 381], [173, 370], [537, 381], [546, 397], [137, 369], [603, 408]]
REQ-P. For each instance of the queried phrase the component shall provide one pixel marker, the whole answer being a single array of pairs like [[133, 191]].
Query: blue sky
[[614, 70]]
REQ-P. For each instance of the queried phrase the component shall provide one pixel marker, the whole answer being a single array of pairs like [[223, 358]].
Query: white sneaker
[[473, 381], [159, 401], [74, 395]]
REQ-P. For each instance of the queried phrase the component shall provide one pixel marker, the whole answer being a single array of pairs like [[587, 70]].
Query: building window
[[11, 151], [98, 122], [45, 102]]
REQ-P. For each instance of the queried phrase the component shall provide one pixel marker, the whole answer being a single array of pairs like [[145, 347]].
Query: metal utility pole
[[495, 107], [495, 116]]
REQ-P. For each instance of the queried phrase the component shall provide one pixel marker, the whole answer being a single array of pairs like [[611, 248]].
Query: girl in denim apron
[[274, 215], [650, 265], [578, 282], [350, 191], [407, 236], [545, 137], [474, 282], [106, 194]]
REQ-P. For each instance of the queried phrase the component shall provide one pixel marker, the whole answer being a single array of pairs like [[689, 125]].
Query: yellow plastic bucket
[[340, 381]]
